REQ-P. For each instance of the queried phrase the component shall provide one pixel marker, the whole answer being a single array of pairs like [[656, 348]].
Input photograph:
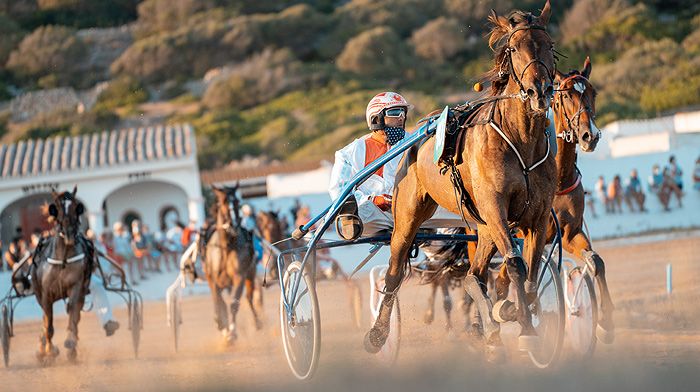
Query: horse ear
[[75, 190], [558, 76], [586, 71], [545, 14], [501, 27], [53, 210], [79, 209]]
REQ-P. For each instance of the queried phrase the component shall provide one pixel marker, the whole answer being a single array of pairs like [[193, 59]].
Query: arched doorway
[[28, 214], [148, 201]]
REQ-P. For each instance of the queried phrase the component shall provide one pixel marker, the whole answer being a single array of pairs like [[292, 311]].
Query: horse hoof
[[72, 355], [528, 343], [428, 318], [373, 341], [495, 354], [504, 311], [69, 344], [606, 336]]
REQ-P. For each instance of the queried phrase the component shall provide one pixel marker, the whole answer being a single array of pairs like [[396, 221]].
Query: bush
[[48, 50], [123, 91], [261, 78], [439, 40], [378, 52], [166, 15], [10, 36]]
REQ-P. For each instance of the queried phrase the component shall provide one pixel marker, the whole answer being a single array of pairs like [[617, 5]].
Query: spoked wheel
[[389, 353], [301, 330], [175, 321], [548, 316], [356, 303], [5, 334], [136, 323], [581, 313]]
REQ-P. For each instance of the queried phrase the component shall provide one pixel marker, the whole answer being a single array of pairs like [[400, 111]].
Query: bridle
[[573, 122], [509, 50]]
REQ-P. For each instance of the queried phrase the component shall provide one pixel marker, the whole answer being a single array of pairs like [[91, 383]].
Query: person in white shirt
[[386, 118]]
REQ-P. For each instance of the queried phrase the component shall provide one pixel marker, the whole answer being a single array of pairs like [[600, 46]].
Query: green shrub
[[123, 91], [378, 52]]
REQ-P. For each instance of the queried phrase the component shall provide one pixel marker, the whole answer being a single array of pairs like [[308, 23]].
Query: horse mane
[[497, 39]]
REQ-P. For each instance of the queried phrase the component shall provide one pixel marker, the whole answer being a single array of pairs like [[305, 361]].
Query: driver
[[370, 210]]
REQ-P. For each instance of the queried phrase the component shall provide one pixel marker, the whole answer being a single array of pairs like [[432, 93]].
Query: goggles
[[395, 113]]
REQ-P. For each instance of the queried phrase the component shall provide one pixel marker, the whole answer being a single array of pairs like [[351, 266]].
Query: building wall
[[147, 199]]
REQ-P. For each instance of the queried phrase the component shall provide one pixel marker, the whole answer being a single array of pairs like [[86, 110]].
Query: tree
[[48, 50]]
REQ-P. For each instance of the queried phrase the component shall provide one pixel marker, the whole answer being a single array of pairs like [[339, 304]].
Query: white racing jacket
[[348, 162]]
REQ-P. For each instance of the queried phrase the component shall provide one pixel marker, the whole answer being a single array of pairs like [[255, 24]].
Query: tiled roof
[[109, 148]]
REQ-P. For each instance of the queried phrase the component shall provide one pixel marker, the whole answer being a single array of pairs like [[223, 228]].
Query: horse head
[[524, 56], [65, 212], [228, 204], [574, 108]]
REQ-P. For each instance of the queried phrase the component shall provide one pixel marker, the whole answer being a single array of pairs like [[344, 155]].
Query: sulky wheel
[[5, 334], [301, 328], [175, 321], [136, 323], [581, 313], [548, 316]]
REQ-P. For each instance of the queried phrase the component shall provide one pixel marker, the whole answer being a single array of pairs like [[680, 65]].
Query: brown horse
[[574, 113], [229, 261], [61, 269], [506, 171], [268, 223]]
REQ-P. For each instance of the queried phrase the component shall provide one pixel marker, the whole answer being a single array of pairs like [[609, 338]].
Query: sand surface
[[657, 345]]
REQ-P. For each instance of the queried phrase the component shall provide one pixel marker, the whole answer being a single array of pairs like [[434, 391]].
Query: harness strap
[[69, 260], [517, 153], [462, 196], [570, 188]]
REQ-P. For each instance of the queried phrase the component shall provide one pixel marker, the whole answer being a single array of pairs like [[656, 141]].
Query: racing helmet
[[377, 105]]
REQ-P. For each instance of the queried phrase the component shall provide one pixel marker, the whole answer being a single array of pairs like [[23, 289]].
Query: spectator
[[634, 194], [675, 172], [295, 209], [696, 175], [187, 235], [16, 251], [123, 251], [672, 186], [656, 186], [139, 247], [615, 195], [601, 191], [153, 260], [248, 217]]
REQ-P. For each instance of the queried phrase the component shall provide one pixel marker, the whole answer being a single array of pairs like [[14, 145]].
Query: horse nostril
[[549, 91], [586, 136], [530, 92]]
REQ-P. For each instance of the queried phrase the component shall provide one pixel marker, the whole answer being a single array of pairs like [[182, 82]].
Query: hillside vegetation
[[290, 79]]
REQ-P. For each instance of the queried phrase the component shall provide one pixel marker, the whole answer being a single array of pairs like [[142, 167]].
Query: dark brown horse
[[271, 230], [61, 270], [574, 113], [229, 261], [505, 169]]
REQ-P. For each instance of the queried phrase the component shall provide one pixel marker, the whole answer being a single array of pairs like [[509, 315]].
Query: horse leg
[[535, 239], [475, 284], [47, 351], [430, 312], [75, 304], [447, 302], [220, 312], [416, 208], [249, 291], [235, 305]]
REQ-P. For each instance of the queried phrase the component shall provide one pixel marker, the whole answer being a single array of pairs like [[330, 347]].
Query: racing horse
[[504, 177], [574, 113], [61, 270], [229, 261], [271, 230]]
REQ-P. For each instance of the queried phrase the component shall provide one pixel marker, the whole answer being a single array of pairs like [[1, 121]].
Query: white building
[[149, 174]]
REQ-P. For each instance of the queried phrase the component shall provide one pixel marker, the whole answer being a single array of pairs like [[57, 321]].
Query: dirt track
[[657, 346]]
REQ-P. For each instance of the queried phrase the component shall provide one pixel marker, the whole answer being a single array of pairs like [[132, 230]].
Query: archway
[[145, 200]]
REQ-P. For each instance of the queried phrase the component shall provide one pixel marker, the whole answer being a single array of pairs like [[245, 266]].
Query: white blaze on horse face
[[66, 206], [580, 87]]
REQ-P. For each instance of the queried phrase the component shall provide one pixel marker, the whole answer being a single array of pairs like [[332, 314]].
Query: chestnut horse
[[229, 261], [574, 113], [61, 269], [507, 172]]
